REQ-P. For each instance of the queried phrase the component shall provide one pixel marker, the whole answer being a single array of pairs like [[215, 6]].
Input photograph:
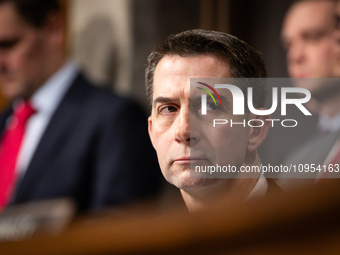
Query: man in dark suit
[[185, 139], [308, 36], [79, 141]]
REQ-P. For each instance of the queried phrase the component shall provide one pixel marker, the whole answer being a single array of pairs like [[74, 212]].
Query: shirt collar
[[327, 124], [48, 96], [260, 188]]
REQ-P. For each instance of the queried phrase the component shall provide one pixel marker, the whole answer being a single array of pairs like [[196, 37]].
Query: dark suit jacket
[[95, 150], [314, 152]]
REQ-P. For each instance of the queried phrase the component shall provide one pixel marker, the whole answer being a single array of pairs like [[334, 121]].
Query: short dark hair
[[34, 12], [244, 61]]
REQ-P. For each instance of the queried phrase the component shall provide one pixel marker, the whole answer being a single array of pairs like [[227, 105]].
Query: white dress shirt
[[327, 124], [45, 101], [260, 188]]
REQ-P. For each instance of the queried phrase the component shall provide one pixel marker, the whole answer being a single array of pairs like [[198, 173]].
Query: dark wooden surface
[[301, 222]]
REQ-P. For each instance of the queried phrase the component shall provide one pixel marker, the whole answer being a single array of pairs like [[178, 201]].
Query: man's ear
[[150, 130], [259, 132], [54, 27]]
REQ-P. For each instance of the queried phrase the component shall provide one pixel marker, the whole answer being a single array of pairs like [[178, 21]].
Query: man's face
[[22, 54], [176, 143], [307, 35]]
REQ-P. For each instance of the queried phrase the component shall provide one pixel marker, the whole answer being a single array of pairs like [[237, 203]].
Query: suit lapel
[[54, 137], [3, 119], [317, 151]]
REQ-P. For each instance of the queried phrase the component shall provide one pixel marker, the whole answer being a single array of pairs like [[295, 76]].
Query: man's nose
[[183, 134], [295, 53]]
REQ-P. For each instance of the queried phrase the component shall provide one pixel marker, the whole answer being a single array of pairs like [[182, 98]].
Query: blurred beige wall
[[100, 40]]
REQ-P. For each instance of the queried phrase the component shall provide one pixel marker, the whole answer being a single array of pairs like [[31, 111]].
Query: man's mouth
[[300, 75], [188, 160]]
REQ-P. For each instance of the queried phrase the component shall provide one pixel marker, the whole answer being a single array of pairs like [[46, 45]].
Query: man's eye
[[8, 44], [167, 109], [315, 36], [211, 106], [337, 18]]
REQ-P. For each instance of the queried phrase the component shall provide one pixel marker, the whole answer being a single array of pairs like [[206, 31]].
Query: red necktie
[[10, 144]]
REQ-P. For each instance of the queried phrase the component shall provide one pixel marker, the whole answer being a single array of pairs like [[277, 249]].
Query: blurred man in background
[[308, 36], [179, 142], [63, 137]]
